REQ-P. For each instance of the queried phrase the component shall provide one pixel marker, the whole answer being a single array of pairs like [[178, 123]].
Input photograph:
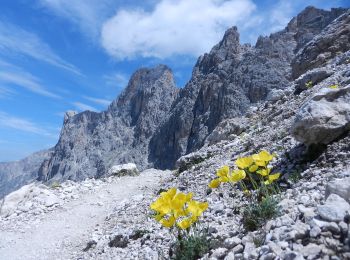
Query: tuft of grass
[[257, 214], [295, 176], [55, 185], [191, 247]]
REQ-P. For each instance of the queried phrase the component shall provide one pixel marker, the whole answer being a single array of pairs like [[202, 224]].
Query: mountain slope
[[14, 175]]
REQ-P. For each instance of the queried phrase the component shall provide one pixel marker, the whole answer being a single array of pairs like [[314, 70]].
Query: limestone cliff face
[[229, 79], [90, 143]]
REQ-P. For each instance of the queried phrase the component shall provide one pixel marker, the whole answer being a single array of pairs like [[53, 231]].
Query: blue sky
[[59, 55]]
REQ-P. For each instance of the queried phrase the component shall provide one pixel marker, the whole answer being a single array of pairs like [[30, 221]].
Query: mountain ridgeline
[[153, 123]]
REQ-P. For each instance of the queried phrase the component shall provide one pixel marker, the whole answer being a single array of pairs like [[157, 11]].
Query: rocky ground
[[40, 222]]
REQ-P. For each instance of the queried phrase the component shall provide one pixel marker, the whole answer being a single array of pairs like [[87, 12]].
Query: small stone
[[212, 230], [250, 251], [275, 248], [238, 249], [265, 249], [293, 256], [340, 187], [231, 242], [230, 256], [334, 209], [270, 256], [219, 253], [343, 227], [311, 250], [315, 231]]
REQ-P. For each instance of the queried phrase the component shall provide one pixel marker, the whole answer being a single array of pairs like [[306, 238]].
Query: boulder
[[340, 187], [129, 169], [323, 118], [334, 209]]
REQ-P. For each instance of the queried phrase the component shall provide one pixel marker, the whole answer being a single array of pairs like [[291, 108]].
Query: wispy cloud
[[87, 15], [13, 75], [24, 125], [14, 39], [99, 101], [82, 107], [117, 79], [6, 92]]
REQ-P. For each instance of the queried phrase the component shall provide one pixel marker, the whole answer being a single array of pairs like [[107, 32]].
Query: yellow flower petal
[[168, 222], [274, 177], [237, 175], [244, 162], [185, 223], [214, 183], [223, 171], [253, 168]]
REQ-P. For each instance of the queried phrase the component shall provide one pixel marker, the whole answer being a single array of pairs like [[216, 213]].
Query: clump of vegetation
[[55, 185], [180, 213], [254, 177], [257, 214], [334, 86], [193, 246], [309, 84], [253, 173]]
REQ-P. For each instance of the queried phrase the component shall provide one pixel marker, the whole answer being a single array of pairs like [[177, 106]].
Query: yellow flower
[[244, 162], [253, 168], [264, 156], [214, 183], [185, 223], [179, 200], [168, 222], [264, 172], [237, 175], [223, 171], [274, 177], [197, 208]]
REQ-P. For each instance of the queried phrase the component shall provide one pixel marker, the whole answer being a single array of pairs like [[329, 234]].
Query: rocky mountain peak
[[144, 81], [310, 22], [226, 51]]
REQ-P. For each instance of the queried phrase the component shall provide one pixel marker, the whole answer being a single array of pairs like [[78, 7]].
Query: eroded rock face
[[229, 79], [90, 143], [327, 44], [323, 118]]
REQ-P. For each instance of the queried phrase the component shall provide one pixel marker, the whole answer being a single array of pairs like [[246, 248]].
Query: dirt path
[[65, 231]]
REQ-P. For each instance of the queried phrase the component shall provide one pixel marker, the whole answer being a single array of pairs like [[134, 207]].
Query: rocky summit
[[288, 95]]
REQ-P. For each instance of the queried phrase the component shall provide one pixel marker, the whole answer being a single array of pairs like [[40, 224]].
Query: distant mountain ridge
[[153, 123]]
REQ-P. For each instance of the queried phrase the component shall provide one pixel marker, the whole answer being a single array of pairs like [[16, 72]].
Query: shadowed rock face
[[90, 143], [229, 79], [153, 123]]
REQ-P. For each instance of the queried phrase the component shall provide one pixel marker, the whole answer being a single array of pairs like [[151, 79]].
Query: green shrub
[[190, 247], [257, 214]]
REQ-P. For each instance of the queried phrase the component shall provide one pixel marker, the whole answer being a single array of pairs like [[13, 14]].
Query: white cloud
[[18, 41], [24, 125], [119, 80], [82, 107], [12, 75], [99, 101], [173, 27]]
